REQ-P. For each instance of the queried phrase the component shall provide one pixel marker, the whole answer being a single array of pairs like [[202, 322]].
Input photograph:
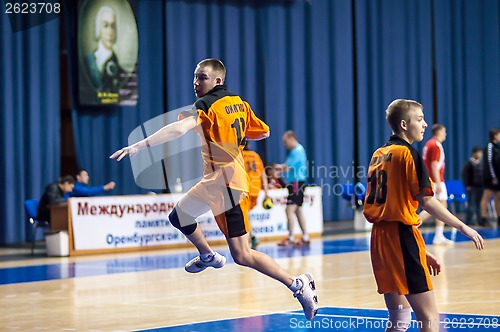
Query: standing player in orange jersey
[[398, 183], [223, 121], [257, 181]]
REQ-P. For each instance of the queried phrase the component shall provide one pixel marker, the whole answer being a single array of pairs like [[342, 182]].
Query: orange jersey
[[396, 176], [223, 122], [254, 168], [433, 151]]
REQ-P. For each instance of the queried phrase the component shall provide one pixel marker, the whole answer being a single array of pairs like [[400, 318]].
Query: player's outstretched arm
[[166, 134], [438, 211]]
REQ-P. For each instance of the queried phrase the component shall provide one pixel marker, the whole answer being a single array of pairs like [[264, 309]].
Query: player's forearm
[[438, 211], [166, 134]]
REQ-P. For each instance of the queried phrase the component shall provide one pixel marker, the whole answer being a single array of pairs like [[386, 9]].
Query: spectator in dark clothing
[[54, 194], [472, 177]]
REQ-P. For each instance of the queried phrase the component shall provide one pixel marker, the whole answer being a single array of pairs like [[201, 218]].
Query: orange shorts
[[234, 222], [229, 206], [398, 258], [252, 202]]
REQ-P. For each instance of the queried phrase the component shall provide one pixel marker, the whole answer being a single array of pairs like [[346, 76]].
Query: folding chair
[[31, 206]]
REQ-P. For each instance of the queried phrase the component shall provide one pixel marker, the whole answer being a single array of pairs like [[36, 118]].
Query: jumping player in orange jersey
[[223, 121], [398, 183], [257, 181]]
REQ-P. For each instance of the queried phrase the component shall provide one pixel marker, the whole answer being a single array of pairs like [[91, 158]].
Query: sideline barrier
[[131, 223]]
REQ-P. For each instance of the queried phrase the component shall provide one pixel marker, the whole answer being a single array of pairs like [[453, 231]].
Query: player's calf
[[399, 320]]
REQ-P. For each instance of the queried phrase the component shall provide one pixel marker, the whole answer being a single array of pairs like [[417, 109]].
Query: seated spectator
[[81, 189], [54, 194], [472, 177], [274, 179]]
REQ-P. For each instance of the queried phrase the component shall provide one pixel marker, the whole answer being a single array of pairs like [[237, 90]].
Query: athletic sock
[[207, 257], [296, 284], [439, 231], [291, 238], [305, 237]]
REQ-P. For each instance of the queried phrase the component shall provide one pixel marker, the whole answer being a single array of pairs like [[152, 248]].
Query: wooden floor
[[158, 296]]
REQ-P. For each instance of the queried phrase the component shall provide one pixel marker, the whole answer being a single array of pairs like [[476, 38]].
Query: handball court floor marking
[[150, 291], [332, 319]]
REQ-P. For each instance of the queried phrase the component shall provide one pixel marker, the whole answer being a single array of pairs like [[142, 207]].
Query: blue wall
[[29, 120], [293, 63]]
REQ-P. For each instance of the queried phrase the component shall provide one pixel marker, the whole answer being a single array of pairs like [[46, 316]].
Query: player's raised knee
[[182, 221]]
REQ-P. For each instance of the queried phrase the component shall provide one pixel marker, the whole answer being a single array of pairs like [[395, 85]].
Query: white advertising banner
[[135, 221]]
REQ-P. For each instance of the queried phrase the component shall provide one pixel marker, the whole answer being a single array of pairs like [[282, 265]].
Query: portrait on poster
[[108, 47]]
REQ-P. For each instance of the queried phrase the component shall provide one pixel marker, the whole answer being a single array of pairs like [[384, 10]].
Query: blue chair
[[360, 190], [348, 191], [31, 206], [457, 193]]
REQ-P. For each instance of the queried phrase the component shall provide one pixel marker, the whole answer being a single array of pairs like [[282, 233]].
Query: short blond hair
[[215, 64], [399, 110]]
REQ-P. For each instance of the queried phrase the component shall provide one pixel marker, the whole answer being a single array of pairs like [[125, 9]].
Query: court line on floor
[[213, 320], [413, 320], [295, 313], [240, 289], [352, 245]]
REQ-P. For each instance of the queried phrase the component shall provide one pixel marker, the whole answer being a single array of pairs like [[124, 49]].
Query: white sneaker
[[197, 264], [307, 296], [438, 240]]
